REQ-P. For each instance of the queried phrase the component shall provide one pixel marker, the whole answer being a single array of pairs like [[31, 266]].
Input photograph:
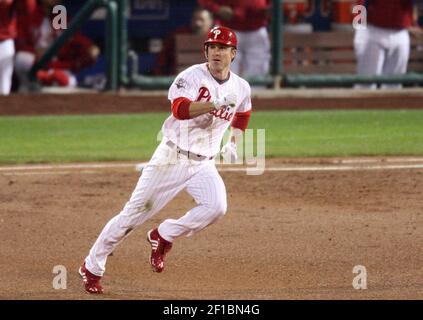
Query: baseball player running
[[205, 98]]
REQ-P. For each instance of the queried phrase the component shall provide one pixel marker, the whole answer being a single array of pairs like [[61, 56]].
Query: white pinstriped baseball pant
[[161, 180], [381, 51], [7, 52]]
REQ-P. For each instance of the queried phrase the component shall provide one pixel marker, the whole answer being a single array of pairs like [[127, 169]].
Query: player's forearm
[[183, 108], [199, 108]]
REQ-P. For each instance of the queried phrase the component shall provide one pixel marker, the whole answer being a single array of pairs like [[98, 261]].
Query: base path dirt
[[286, 235]]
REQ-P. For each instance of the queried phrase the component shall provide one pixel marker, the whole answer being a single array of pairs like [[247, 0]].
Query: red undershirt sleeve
[[241, 120], [180, 108]]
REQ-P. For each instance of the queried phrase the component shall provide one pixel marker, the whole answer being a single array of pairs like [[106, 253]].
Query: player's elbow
[[241, 120], [180, 108]]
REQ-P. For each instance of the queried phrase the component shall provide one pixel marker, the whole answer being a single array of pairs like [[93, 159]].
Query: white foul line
[[57, 169], [330, 168], [390, 160], [68, 166], [46, 173]]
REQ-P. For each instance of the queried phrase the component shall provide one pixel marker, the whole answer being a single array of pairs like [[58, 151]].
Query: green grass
[[78, 138], [342, 133], [134, 136]]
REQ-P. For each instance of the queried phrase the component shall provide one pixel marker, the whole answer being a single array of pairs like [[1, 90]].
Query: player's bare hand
[[229, 152], [94, 52], [416, 32], [225, 12], [228, 100]]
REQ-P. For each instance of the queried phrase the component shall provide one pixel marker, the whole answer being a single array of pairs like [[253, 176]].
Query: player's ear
[[205, 52], [233, 54]]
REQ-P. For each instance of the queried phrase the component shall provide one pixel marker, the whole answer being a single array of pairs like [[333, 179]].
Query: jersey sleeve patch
[[183, 86], [181, 83]]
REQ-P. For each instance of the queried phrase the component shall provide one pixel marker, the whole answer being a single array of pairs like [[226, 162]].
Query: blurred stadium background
[[317, 41], [316, 37]]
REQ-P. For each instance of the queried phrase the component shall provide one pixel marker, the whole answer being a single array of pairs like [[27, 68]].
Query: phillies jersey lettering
[[203, 134], [204, 95], [223, 113]]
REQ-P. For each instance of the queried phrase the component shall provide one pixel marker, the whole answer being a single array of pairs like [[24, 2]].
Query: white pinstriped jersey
[[203, 135]]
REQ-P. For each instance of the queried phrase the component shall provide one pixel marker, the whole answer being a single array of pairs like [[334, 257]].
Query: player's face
[[220, 56], [201, 22]]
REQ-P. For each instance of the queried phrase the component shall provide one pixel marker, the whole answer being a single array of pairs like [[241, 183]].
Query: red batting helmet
[[222, 35]]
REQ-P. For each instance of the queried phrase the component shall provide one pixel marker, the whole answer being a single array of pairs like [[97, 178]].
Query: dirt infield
[[287, 235], [295, 232]]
